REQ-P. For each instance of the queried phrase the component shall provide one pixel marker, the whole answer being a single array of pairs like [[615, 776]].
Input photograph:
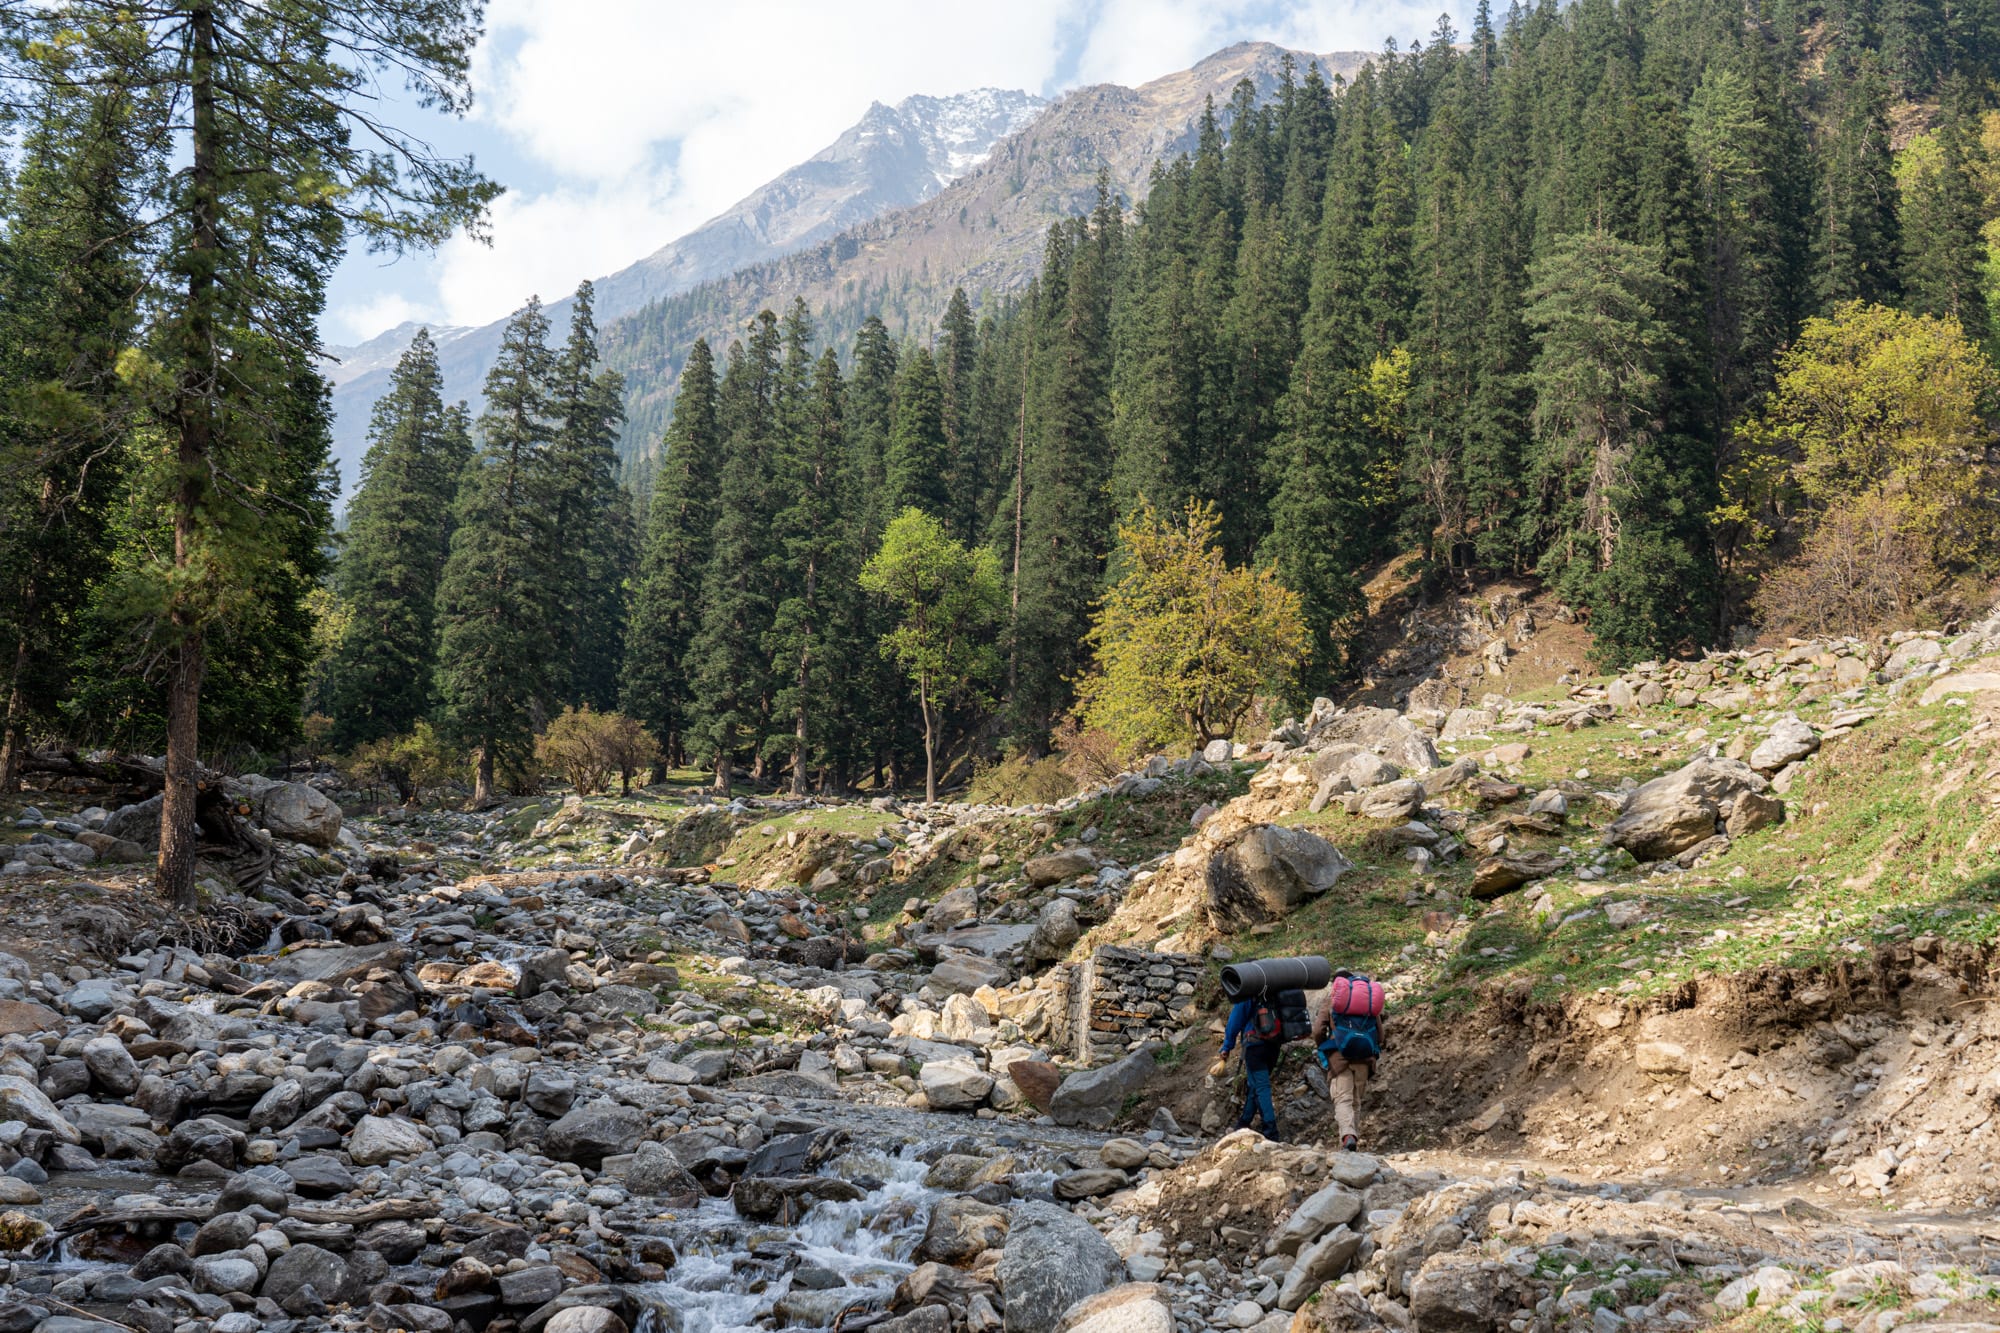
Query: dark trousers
[[1258, 1061]]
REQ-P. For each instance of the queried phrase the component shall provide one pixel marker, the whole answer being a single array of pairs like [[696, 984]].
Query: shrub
[[588, 747]]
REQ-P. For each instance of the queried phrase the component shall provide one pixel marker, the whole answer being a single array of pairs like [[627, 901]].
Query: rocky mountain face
[[893, 157], [984, 232]]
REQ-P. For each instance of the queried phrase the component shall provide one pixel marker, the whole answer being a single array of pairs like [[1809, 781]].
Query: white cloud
[[361, 320], [647, 118]]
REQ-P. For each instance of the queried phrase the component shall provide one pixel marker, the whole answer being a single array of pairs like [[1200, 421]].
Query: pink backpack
[[1355, 997]]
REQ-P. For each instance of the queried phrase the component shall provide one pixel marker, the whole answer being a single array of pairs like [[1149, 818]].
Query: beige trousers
[[1345, 1083]]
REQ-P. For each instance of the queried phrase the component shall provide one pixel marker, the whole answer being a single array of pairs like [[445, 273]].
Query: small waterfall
[[868, 1243]]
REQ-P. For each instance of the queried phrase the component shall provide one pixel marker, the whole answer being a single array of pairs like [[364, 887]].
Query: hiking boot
[[1349, 1143]]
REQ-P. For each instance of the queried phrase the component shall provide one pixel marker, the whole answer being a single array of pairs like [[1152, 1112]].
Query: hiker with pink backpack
[[1348, 1035]]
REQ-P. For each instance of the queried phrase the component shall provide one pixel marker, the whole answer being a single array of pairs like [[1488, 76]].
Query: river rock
[[589, 1134], [1089, 1182], [961, 1229], [299, 812], [959, 904], [1052, 1260], [111, 1066], [1094, 1098], [966, 972], [954, 1085], [20, 1018], [1123, 1154], [656, 1173], [1038, 1081], [1265, 871], [1130, 1307], [23, 1101], [379, 1139]]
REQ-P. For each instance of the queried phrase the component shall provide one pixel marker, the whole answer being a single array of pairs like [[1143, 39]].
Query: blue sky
[[618, 125]]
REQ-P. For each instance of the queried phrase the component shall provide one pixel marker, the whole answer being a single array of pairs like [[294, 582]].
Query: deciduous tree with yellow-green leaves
[[1870, 458], [1184, 641]]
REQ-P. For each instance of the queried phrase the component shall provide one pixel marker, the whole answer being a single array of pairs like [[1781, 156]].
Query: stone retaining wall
[[1118, 998]]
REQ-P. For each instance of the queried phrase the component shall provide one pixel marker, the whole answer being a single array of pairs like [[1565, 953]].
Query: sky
[[619, 125]]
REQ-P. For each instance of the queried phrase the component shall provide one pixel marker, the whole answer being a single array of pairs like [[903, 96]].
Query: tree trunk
[[930, 746], [178, 830], [10, 741], [196, 410], [482, 776], [723, 773]]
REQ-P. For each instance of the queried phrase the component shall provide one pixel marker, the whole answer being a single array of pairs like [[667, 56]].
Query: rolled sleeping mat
[[1242, 980]]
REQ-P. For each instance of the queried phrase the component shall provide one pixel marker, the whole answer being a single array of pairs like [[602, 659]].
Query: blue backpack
[[1355, 1038]]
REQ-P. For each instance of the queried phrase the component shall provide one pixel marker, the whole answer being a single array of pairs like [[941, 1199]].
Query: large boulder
[[304, 1266], [1463, 1292], [961, 1229], [1265, 871], [959, 904], [655, 1172], [1318, 1264], [964, 973], [1052, 1260], [1384, 731], [1670, 814], [1054, 867], [1790, 741], [138, 823], [1133, 1307], [588, 1134], [299, 812], [379, 1139], [1332, 1206], [1093, 1098], [954, 1085], [1056, 928], [21, 1100]]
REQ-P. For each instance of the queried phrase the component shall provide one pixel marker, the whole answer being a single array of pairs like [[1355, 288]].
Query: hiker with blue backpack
[[1348, 1034], [1255, 1021]]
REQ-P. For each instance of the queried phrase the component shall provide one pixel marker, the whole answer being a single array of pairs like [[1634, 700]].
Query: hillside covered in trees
[[1682, 309]]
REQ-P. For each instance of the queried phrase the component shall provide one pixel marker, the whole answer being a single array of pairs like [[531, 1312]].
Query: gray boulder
[[304, 1266], [1670, 814], [138, 824], [21, 1100], [1790, 741], [111, 1066], [964, 973], [1265, 871], [588, 1134], [1093, 1098], [1318, 1264], [954, 1085], [379, 1139], [959, 904], [1331, 1207], [299, 812], [1052, 1260], [1054, 867], [656, 1172], [1056, 928]]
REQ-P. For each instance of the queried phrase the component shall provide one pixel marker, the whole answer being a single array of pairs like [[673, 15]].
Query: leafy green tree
[[1183, 640], [666, 607], [948, 600], [382, 676], [492, 613]]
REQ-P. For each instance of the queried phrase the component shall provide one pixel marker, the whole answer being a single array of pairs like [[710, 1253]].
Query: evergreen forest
[[1684, 308]]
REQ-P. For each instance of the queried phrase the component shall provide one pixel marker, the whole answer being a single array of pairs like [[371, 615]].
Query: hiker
[[1348, 1034], [1255, 1022]]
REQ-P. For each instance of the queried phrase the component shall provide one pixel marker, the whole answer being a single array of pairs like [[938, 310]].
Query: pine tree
[[666, 607], [916, 471], [1855, 241], [588, 535], [257, 107], [67, 261], [1944, 248], [381, 679], [804, 641], [494, 632], [727, 664], [968, 475], [1066, 523]]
